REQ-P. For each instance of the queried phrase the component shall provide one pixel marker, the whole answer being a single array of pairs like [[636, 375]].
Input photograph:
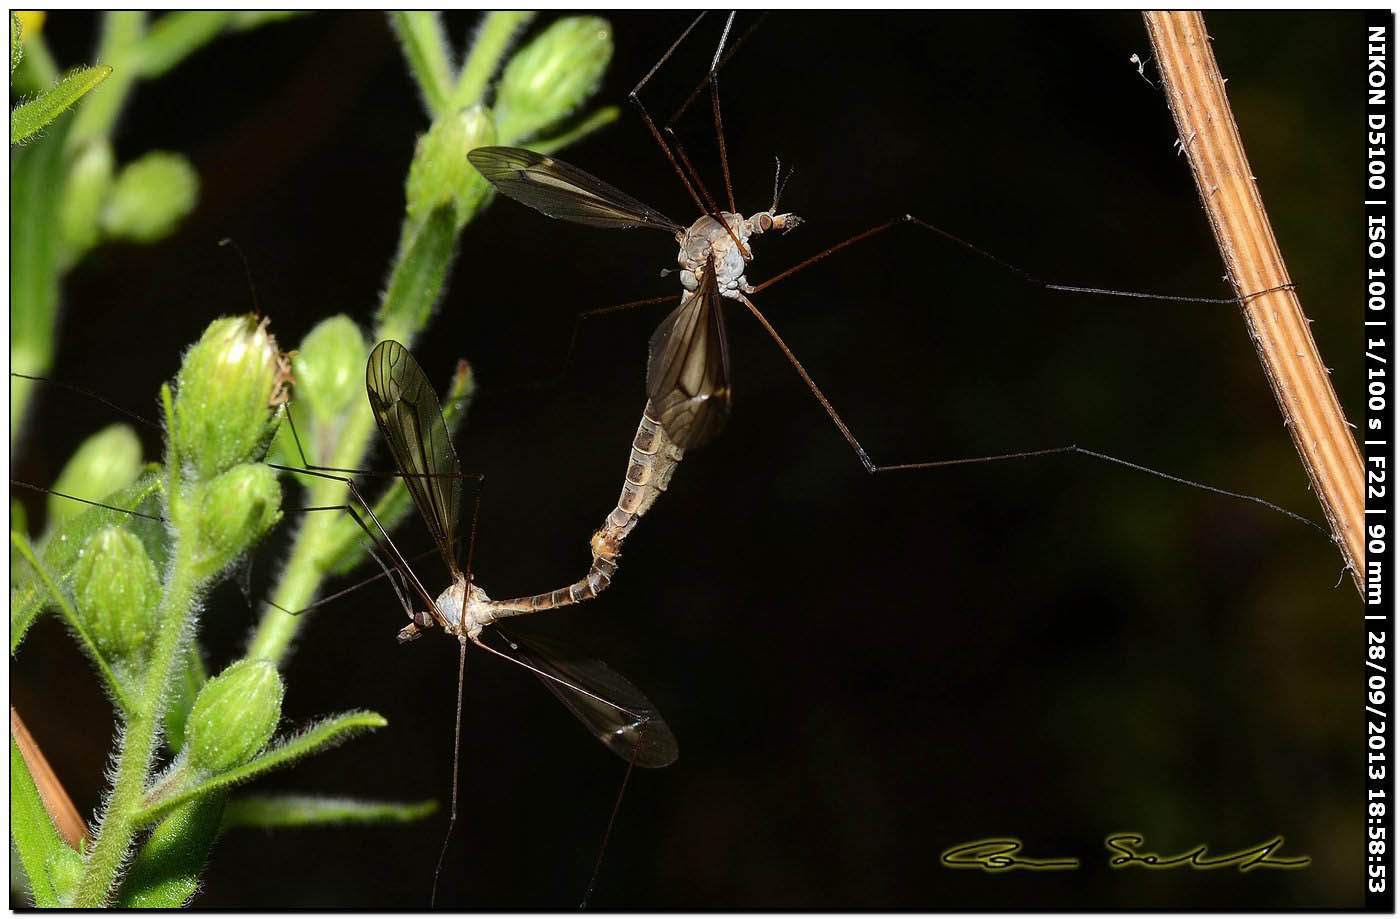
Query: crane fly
[[688, 377], [410, 418], [612, 709]]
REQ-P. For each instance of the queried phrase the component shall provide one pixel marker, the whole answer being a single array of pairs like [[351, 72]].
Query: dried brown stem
[[1275, 321], [64, 815]]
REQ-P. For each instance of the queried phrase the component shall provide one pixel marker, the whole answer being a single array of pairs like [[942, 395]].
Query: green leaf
[[315, 739], [60, 550], [37, 180], [425, 47], [571, 133], [30, 118], [268, 811], [165, 873], [40, 848]]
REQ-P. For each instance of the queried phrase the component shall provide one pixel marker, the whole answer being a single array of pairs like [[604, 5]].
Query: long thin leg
[[50, 491], [358, 585], [636, 100], [1008, 266], [612, 819], [872, 467], [456, 763], [719, 121], [385, 544], [671, 155], [705, 80]]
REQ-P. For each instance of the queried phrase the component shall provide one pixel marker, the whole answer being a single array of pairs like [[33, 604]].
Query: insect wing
[[688, 367], [562, 191], [411, 420], [613, 710]]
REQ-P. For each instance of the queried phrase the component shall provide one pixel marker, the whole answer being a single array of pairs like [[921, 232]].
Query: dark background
[[862, 672]]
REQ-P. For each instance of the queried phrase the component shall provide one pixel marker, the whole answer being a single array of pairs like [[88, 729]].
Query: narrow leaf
[[31, 117], [576, 131], [315, 739], [165, 874], [425, 47], [268, 811], [33, 835]]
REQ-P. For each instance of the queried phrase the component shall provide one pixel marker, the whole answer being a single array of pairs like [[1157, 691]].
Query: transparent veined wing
[[410, 419], [688, 367], [566, 192], [611, 708]]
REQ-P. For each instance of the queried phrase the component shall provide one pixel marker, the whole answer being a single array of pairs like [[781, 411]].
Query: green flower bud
[[552, 76], [329, 367], [150, 196], [117, 589], [440, 173], [236, 509], [89, 180], [228, 389], [234, 716], [106, 461]]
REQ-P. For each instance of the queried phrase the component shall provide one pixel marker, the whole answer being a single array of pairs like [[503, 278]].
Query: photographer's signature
[[1002, 854]]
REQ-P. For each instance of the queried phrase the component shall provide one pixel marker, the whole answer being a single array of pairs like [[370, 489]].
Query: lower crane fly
[[410, 418]]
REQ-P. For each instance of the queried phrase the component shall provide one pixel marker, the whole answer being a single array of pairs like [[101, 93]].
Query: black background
[[861, 671]]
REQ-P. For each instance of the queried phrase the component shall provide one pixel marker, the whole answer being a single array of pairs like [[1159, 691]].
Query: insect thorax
[[707, 237]]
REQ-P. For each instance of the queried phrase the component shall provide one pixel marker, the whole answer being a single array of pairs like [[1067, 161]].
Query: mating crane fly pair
[[688, 400]]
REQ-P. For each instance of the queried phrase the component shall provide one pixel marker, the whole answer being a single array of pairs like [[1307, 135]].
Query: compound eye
[[765, 223], [423, 619]]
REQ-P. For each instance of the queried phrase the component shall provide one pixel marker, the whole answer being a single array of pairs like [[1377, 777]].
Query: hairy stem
[[142, 731], [1276, 322]]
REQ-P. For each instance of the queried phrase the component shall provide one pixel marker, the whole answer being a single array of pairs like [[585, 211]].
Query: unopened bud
[[106, 461], [150, 196], [440, 173], [236, 509], [228, 389], [328, 367], [234, 716], [84, 195], [552, 76], [117, 590]]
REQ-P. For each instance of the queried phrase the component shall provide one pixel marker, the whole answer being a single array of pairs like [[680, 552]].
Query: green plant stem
[[138, 745], [319, 538], [493, 38]]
